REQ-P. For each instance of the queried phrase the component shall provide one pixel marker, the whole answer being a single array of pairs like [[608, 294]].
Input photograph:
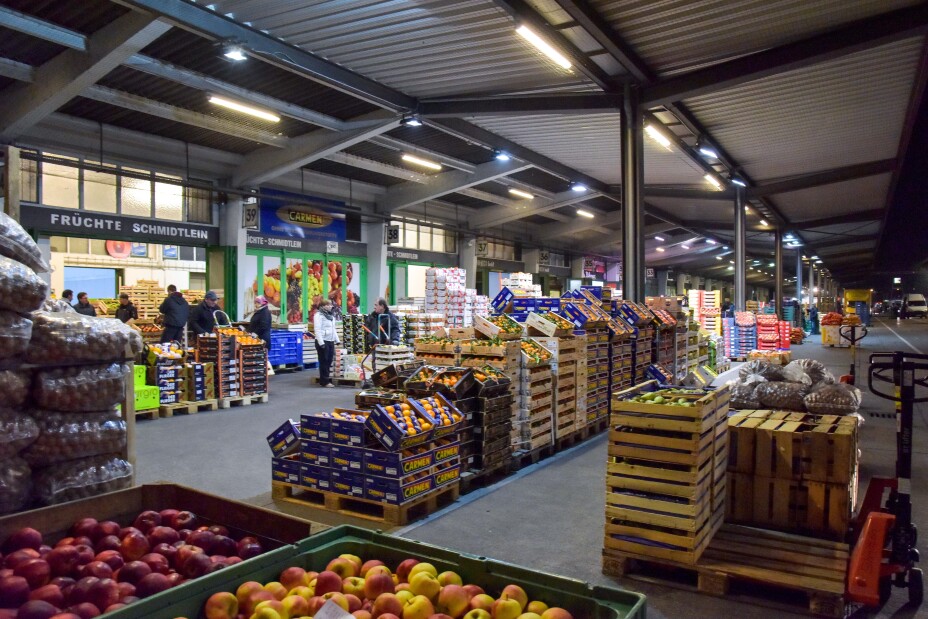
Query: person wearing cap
[[126, 310], [260, 323], [202, 319], [176, 312]]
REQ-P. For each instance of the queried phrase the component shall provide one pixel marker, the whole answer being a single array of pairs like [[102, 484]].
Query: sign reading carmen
[[285, 214]]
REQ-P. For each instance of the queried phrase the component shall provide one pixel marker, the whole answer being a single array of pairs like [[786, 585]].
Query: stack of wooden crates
[[666, 474], [146, 295], [793, 471]]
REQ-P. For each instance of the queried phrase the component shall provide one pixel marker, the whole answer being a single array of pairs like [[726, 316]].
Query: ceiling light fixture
[[234, 52], [718, 257], [659, 238], [711, 242], [724, 246], [764, 223], [411, 121], [578, 187], [818, 262], [712, 180], [544, 47], [425, 163], [731, 268], [584, 213], [521, 194], [814, 257], [245, 109], [737, 181], [660, 249], [684, 247], [655, 134], [501, 156], [708, 151], [772, 264]]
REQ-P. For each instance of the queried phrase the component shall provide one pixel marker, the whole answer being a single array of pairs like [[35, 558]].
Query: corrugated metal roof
[[188, 50], [432, 139], [676, 35], [422, 47], [862, 194], [345, 171], [591, 143], [846, 111], [24, 48], [695, 210], [86, 16], [119, 117]]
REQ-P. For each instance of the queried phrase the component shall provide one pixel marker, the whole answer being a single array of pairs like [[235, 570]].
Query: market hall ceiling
[[813, 104]]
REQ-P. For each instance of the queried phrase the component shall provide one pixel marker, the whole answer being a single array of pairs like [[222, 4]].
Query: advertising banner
[[285, 214]]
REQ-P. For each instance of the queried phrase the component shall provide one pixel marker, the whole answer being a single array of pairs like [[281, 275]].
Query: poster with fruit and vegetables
[[313, 286], [270, 287], [294, 291], [353, 287], [249, 274], [334, 269]]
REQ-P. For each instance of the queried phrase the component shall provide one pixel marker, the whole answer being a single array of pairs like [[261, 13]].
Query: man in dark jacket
[[176, 311], [260, 323], [201, 318], [126, 310], [83, 305], [384, 324]]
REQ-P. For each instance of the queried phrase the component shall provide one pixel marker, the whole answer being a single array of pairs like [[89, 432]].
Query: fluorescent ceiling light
[[814, 257], [578, 187], [684, 246], [711, 242], [543, 47], [655, 134], [521, 194], [708, 151], [712, 180], [763, 222], [584, 213], [501, 156], [737, 181], [718, 257], [731, 268], [660, 249], [659, 238], [425, 163], [772, 264], [245, 109], [411, 121], [731, 262], [234, 52], [724, 246], [818, 262]]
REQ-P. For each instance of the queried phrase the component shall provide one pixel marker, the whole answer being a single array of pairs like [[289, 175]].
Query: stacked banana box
[[666, 471], [793, 471], [533, 428], [565, 351]]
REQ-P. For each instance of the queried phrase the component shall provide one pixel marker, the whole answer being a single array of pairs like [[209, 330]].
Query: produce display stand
[[580, 598]]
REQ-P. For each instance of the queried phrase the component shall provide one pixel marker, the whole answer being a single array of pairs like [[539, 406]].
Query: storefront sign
[[553, 270], [502, 266], [418, 255], [250, 218], [257, 240], [71, 222], [285, 214]]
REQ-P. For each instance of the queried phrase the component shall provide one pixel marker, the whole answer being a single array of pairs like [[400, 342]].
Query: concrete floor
[[548, 517]]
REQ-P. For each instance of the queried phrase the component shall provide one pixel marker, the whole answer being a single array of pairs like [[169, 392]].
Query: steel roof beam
[[856, 36], [824, 177], [407, 194], [66, 75], [16, 70], [265, 164], [492, 198], [840, 240], [47, 31], [272, 50], [497, 216], [850, 218], [585, 103]]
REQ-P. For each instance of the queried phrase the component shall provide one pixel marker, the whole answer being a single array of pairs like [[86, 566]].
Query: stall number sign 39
[[250, 215]]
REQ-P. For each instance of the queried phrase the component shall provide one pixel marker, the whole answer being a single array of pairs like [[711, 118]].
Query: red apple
[[96, 568], [85, 610], [80, 592], [133, 546], [166, 550], [103, 529], [127, 530], [368, 565], [133, 572], [247, 551], [218, 529], [44, 549], [20, 556], [36, 609], [63, 582], [203, 539], [162, 535], [343, 566], [63, 560], [232, 561], [129, 599], [184, 520], [157, 563], [184, 553], [147, 520], [183, 533], [152, 584], [64, 541], [111, 558], [84, 526], [387, 603], [176, 579], [327, 582], [66, 616], [254, 599], [196, 565], [49, 593], [14, 592], [377, 584], [126, 589], [36, 572], [167, 516], [473, 590], [103, 593], [292, 577], [223, 545], [221, 605], [402, 570], [114, 607], [354, 602], [110, 542]]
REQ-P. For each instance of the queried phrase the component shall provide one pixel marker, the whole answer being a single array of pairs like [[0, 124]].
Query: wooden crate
[[687, 448], [742, 439], [740, 498], [829, 451], [778, 447], [659, 542]]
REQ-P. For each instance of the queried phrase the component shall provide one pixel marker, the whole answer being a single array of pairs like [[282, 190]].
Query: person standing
[[326, 339], [68, 296], [83, 305], [176, 311], [202, 318], [260, 323], [383, 324], [126, 310]]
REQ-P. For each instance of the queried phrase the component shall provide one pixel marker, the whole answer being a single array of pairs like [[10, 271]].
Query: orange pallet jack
[[885, 553]]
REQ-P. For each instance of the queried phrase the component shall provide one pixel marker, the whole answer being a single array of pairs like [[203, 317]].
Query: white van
[[914, 306]]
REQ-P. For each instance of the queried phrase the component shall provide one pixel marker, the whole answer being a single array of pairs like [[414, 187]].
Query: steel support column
[[799, 278], [811, 283], [739, 240], [778, 270], [633, 267]]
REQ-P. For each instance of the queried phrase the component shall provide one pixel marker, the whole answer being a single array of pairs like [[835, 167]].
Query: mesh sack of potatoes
[[56, 305], [757, 369], [743, 396], [15, 485], [14, 387], [782, 395], [81, 388], [78, 479], [68, 436], [835, 399], [16, 243], [17, 431], [75, 337], [816, 371], [794, 373], [21, 290], [15, 333]]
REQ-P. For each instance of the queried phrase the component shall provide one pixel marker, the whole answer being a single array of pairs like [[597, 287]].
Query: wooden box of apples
[[372, 575]]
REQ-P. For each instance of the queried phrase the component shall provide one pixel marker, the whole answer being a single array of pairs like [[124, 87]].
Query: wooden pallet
[[344, 382], [188, 408], [578, 436], [522, 459], [738, 554], [243, 400], [481, 478], [394, 515], [151, 413], [283, 368]]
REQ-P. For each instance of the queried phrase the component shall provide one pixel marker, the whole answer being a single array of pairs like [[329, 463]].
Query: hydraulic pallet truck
[[885, 554], [849, 332]]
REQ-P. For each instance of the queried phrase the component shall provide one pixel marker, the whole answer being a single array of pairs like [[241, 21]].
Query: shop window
[[199, 205], [60, 185], [99, 192], [29, 179], [169, 201], [136, 197], [438, 239], [557, 260], [98, 248]]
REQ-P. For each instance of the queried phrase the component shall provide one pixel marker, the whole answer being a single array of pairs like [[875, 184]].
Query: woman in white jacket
[[326, 339]]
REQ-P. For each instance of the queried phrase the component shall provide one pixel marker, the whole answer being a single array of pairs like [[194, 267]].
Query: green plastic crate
[[580, 598], [147, 398], [139, 376]]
